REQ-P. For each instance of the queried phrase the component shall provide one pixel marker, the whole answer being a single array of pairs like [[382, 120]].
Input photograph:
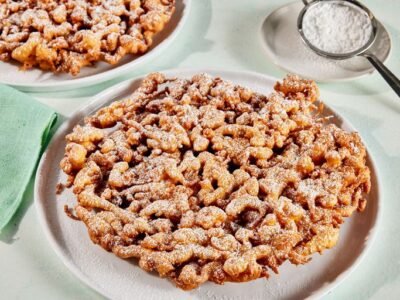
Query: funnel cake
[[66, 35], [203, 180]]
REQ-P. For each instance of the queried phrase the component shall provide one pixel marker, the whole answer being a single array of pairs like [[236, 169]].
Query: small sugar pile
[[336, 27]]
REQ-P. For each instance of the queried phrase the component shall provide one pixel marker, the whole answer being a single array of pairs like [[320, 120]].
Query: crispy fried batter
[[66, 35], [203, 180]]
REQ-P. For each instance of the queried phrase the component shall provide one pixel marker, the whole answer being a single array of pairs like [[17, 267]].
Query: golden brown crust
[[66, 35], [203, 180]]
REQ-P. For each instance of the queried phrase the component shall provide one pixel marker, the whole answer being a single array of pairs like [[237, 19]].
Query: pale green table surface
[[224, 34]]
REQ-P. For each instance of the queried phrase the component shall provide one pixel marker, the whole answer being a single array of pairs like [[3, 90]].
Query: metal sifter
[[390, 78]]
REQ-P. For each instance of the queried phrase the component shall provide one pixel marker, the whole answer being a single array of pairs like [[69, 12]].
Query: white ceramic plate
[[36, 80], [116, 278], [284, 47]]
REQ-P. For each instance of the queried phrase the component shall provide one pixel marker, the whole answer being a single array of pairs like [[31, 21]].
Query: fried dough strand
[[203, 180], [66, 35]]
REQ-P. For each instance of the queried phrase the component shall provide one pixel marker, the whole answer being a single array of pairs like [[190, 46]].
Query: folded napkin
[[24, 130]]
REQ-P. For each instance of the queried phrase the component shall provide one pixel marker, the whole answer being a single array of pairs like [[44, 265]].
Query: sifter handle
[[390, 78]]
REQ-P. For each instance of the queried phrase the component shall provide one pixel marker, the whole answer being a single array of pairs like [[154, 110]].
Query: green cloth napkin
[[24, 130]]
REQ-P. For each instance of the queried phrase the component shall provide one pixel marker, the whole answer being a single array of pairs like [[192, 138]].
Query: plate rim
[[272, 57], [184, 72], [101, 77]]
